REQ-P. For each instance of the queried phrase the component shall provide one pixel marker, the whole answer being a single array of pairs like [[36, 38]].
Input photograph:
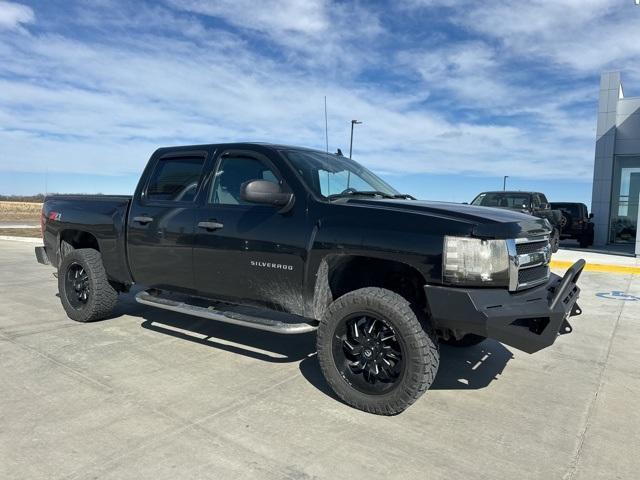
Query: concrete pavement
[[152, 394]]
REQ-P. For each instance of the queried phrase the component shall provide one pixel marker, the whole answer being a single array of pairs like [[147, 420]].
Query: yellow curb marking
[[597, 267]]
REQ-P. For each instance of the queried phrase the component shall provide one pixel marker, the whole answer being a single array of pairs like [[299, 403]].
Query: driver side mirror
[[591, 215], [265, 193], [544, 206]]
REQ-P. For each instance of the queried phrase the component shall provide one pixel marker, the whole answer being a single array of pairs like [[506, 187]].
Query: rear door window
[[175, 179]]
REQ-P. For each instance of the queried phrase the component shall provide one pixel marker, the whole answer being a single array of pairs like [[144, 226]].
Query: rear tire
[[85, 292], [586, 240], [468, 340], [374, 352]]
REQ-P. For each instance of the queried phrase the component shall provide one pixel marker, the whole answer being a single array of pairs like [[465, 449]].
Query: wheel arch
[[75, 239], [341, 274]]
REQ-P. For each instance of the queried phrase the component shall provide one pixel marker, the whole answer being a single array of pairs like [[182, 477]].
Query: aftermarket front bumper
[[529, 320]]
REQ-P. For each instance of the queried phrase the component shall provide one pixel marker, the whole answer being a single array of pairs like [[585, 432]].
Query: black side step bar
[[210, 313]]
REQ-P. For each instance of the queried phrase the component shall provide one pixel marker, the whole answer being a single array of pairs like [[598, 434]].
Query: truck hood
[[488, 222]]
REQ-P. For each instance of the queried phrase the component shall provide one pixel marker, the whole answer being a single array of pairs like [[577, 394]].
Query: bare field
[[20, 211], [21, 232]]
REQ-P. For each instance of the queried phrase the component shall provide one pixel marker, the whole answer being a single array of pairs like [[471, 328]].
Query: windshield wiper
[[406, 196], [369, 193]]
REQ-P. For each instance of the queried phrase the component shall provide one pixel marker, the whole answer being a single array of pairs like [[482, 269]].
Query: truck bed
[[104, 217]]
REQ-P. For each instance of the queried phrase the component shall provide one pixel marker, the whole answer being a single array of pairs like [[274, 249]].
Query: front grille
[[533, 274], [522, 248], [530, 262]]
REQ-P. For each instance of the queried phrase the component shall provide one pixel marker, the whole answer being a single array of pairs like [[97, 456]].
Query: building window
[[624, 204]]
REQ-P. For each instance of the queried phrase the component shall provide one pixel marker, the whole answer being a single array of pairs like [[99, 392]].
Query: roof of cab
[[275, 146]]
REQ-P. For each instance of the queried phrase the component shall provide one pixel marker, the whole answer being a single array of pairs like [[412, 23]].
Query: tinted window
[[175, 179], [500, 199], [535, 201], [232, 173], [570, 208]]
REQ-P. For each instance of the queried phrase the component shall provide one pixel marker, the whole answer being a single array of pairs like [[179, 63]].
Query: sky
[[453, 95]]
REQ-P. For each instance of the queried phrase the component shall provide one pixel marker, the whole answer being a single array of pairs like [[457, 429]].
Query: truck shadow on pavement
[[468, 368], [257, 344], [471, 368]]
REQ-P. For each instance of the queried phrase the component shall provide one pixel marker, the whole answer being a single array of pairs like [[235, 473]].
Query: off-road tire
[[102, 296], [468, 340], [421, 355], [586, 240], [554, 240]]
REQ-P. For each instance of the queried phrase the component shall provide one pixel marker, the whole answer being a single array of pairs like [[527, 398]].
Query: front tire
[[375, 353], [85, 292]]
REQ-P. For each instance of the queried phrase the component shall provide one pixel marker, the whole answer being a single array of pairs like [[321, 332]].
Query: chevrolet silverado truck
[[533, 203], [304, 241]]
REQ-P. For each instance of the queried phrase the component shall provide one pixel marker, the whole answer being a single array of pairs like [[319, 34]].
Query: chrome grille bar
[[532, 254]]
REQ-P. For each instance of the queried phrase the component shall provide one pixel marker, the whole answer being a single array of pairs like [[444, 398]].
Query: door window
[[175, 179], [232, 173], [535, 201]]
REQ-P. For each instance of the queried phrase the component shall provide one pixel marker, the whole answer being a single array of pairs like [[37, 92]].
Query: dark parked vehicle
[[575, 223], [533, 203], [307, 241]]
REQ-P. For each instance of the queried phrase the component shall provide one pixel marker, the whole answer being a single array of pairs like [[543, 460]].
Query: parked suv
[[575, 222], [533, 203]]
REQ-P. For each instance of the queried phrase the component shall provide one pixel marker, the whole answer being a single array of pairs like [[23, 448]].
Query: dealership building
[[616, 172]]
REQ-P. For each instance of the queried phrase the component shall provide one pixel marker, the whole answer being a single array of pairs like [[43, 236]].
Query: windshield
[[502, 199], [328, 175]]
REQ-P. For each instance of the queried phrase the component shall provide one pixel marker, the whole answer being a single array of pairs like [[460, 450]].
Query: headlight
[[475, 262]]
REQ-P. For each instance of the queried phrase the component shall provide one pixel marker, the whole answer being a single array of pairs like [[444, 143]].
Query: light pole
[[504, 183], [353, 122]]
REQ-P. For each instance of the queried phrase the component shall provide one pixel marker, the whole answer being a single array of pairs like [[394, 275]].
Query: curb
[[598, 267]]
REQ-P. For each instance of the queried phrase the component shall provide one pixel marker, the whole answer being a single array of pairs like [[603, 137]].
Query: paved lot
[[152, 394]]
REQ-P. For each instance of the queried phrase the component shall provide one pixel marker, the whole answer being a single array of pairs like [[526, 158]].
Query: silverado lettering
[[279, 266]]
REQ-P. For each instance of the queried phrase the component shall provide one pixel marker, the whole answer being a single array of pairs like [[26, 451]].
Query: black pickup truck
[[308, 241], [533, 203]]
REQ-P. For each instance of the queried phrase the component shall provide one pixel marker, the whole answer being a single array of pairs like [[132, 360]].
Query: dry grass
[[21, 232], [20, 212]]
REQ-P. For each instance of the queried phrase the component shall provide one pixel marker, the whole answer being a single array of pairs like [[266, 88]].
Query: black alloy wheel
[[368, 353], [77, 285]]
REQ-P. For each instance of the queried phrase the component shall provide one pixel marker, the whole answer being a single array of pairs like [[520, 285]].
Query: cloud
[[99, 88], [304, 16], [14, 15], [580, 35]]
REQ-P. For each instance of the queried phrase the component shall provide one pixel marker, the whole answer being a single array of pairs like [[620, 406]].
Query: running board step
[[235, 318]]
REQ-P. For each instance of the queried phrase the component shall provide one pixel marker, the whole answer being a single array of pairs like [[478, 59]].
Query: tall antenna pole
[[326, 124]]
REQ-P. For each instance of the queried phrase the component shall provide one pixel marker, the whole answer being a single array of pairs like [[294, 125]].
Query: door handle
[[143, 219], [210, 225]]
